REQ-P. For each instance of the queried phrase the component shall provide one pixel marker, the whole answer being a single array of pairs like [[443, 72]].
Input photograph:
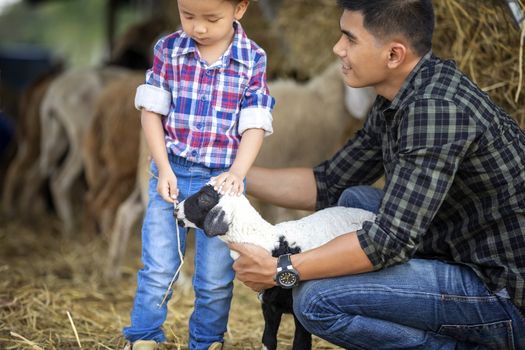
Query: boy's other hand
[[228, 183], [167, 186]]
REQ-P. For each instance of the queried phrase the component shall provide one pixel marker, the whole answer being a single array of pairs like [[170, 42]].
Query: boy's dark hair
[[414, 19]]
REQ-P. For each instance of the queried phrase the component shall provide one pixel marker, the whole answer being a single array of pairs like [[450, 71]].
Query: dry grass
[[52, 288], [483, 39]]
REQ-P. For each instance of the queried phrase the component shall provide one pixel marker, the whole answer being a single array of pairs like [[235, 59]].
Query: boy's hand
[[228, 183], [167, 186]]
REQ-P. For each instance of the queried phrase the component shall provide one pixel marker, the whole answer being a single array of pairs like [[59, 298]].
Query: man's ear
[[215, 223], [397, 54]]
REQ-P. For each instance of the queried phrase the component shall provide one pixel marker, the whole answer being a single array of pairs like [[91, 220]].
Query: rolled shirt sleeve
[[155, 94], [257, 103]]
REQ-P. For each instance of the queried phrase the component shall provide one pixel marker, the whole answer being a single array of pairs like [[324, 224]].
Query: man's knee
[[311, 309], [362, 197]]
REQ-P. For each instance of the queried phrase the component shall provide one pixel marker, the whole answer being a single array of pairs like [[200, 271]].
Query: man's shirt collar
[[408, 87]]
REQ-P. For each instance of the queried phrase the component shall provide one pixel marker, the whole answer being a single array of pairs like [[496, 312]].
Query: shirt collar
[[240, 40], [408, 86]]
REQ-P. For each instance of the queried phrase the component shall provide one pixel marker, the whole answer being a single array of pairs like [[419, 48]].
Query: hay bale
[[480, 36], [484, 41]]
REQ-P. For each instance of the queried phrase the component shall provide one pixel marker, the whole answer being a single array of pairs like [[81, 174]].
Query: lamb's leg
[[302, 338], [272, 321], [128, 214], [62, 185], [12, 181], [27, 198]]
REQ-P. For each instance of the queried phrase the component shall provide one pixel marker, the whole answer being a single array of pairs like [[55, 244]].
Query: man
[[443, 264]]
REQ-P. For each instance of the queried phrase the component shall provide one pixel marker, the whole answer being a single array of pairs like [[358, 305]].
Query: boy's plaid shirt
[[454, 165], [206, 108]]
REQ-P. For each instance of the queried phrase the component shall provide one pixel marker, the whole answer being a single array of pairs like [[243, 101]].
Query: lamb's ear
[[215, 223]]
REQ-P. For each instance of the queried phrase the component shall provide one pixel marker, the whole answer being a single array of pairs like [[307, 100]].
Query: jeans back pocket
[[495, 335]]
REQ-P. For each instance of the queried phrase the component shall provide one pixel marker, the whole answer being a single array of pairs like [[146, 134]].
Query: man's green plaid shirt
[[454, 165]]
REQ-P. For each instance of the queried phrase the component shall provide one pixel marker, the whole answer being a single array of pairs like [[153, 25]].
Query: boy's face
[[363, 57], [210, 22]]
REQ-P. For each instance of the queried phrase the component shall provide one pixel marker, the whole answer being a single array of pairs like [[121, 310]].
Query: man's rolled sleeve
[[382, 248], [255, 118]]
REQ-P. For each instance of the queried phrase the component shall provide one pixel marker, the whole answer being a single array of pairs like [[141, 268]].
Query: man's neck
[[391, 87]]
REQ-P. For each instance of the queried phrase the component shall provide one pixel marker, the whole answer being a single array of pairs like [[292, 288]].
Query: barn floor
[[53, 295]]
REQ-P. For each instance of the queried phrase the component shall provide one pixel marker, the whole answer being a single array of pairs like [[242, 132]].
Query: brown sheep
[[129, 213], [110, 151], [23, 179]]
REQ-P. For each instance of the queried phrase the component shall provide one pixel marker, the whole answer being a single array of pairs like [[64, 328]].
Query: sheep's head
[[207, 210]]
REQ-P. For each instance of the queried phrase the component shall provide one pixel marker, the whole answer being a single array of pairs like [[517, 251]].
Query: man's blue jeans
[[421, 304], [213, 275]]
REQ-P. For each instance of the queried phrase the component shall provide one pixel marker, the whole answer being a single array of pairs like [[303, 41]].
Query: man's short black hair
[[414, 19]]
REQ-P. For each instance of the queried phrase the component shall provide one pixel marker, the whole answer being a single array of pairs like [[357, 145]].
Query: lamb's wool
[[245, 225]]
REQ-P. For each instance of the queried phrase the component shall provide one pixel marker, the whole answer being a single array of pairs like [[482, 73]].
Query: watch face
[[287, 279]]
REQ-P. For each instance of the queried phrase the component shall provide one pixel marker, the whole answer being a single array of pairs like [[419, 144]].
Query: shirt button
[[199, 126], [194, 153], [203, 97], [208, 72]]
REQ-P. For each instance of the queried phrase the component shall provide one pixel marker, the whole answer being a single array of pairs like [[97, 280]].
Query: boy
[[206, 89]]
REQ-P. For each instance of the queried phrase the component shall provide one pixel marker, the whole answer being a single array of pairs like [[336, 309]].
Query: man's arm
[[340, 256], [290, 187]]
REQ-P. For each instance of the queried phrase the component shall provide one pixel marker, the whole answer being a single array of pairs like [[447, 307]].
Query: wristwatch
[[287, 277]]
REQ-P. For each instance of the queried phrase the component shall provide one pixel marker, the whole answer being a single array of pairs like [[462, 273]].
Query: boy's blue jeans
[[212, 278], [422, 304]]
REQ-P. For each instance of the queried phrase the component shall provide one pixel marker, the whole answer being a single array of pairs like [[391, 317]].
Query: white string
[[181, 261]]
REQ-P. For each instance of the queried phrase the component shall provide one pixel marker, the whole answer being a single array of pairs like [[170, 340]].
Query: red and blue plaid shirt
[[206, 108]]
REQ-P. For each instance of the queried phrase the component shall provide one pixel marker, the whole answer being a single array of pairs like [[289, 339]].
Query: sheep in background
[[234, 220], [310, 121], [129, 214], [23, 180], [110, 151], [359, 100], [65, 115]]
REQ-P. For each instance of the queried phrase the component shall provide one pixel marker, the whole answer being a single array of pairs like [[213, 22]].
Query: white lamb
[[233, 219]]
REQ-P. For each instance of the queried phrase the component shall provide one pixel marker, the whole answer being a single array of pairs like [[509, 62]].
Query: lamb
[[233, 219]]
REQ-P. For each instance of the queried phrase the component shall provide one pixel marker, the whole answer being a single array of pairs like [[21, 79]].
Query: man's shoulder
[[438, 79], [442, 80]]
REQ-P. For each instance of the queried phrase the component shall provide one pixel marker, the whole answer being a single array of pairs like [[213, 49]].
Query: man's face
[[362, 56]]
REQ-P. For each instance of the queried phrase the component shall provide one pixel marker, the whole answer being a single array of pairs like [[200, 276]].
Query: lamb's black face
[[194, 209]]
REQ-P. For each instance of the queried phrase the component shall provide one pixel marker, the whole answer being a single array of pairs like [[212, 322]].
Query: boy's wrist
[[165, 167], [238, 173]]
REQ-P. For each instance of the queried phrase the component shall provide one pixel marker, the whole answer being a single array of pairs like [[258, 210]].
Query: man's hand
[[255, 267]]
